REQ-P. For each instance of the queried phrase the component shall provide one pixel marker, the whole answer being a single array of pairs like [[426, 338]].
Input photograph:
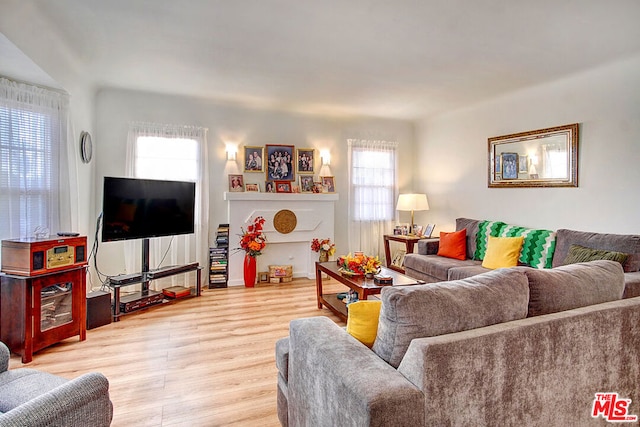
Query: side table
[[409, 242]]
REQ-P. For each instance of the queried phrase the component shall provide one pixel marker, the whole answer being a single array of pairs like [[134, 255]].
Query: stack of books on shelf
[[219, 258]]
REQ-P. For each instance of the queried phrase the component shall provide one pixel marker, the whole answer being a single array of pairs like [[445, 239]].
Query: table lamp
[[412, 202]]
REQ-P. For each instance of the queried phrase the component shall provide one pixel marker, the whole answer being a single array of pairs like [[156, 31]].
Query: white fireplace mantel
[[315, 219]]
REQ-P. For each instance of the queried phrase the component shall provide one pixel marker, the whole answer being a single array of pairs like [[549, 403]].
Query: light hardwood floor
[[206, 361]]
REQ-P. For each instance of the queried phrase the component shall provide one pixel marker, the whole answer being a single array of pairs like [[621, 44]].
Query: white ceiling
[[391, 58]]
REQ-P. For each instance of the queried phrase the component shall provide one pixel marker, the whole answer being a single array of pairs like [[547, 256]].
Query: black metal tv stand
[[147, 297]]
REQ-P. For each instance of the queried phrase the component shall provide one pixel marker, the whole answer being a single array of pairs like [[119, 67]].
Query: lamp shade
[[412, 202]]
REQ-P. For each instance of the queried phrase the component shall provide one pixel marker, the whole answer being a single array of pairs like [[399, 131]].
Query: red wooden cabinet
[[38, 311]]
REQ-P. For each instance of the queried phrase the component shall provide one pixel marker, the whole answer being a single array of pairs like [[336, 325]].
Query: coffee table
[[364, 287]]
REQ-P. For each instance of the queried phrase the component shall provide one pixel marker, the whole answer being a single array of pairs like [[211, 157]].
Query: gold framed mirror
[[539, 158]]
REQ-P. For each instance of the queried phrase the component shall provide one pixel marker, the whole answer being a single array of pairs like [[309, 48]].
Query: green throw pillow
[[486, 229], [538, 247], [579, 253]]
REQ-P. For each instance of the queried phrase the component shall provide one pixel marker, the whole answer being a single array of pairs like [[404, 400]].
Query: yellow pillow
[[362, 321], [502, 252]]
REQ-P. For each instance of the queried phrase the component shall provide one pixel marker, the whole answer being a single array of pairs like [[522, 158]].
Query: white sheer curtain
[[372, 193], [171, 152], [38, 180]]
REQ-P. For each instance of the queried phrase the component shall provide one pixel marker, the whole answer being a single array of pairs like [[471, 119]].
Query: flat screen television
[[142, 208]]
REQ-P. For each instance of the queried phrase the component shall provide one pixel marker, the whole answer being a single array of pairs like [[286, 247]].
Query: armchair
[[33, 398]]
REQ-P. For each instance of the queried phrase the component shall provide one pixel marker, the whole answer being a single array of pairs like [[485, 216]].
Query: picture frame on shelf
[[253, 158], [255, 188], [329, 184], [317, 187], [283, 186], [305, 159], [236, 183], [428, 231], [398, 258], [269, 187], [306, 183], [279, 162], [509, 166]]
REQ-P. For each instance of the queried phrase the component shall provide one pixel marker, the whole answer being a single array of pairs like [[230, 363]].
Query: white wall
[[452, 155], [115, 109]]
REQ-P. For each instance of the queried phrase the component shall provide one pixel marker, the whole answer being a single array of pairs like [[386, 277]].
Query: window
[[166, 158], [33, 171], [373, 172]]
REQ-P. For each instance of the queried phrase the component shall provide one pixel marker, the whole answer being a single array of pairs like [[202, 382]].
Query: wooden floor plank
[[206, 361]]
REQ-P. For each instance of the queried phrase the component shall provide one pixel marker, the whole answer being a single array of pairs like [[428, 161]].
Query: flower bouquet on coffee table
[[358, 264]]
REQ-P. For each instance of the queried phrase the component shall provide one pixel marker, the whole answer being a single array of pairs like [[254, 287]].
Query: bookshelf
[[219, 259]]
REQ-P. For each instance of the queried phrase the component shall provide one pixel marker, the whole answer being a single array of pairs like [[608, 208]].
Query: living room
[[588, 78]]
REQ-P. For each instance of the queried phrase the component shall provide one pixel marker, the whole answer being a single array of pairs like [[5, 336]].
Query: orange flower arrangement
[[359, 264], [323, 245], [253, 240]]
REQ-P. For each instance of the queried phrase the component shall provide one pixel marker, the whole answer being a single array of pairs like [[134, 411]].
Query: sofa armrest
[[81, 401], [336, 380], [631, 285], [509, 371], [428, 246], [4, 357]]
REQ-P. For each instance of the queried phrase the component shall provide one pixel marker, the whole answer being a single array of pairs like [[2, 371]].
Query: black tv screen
[[142, 208]]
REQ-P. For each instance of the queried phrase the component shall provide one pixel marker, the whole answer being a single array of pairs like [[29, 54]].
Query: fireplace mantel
[[315, 219]]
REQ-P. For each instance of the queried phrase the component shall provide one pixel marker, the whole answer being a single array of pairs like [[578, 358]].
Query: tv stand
[[147, 297]]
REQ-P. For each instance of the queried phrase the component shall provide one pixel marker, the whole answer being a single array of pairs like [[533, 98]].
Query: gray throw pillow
[[579, 253]]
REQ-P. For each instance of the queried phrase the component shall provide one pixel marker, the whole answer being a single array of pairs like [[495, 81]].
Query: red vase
[[249, 271]]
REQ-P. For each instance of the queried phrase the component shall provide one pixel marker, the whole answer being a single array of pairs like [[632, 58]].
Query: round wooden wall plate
[[285, 221]]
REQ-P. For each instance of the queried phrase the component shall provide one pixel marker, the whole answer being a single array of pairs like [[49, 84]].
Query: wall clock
[[86, 147]]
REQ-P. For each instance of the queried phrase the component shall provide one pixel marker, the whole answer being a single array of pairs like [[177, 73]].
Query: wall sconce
[[325, 155], [232, 152]]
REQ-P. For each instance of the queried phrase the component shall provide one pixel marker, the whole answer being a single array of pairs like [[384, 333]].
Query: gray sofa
[[510, 347], [37, 399], [428, 266]]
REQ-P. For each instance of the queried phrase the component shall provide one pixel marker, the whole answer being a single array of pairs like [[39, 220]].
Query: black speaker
[[98, 309]]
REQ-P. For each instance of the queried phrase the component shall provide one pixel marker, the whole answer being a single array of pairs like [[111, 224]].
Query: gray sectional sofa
[[509, 347], [428, 266]]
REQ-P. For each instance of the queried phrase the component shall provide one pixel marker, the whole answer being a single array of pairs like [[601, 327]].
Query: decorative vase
[[324, 256], [249, 271]]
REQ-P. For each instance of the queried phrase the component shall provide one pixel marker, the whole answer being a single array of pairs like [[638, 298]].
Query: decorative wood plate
[[285, 221]]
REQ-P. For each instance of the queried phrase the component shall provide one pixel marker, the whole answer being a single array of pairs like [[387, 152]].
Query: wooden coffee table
[[364, 287]]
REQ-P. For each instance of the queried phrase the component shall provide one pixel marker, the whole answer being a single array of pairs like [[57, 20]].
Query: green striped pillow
[[486, 229], [538, 246]]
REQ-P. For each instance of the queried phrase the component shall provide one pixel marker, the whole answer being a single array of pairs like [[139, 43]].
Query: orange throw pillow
[[453, 245]]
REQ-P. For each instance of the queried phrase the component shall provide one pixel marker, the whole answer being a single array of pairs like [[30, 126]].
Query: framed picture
[[236, 183], [252, 187], [317, 187], [428, 230], [398, 258], [269, 187], [305, 159], [509, 166], [306, 183], [253, 159], [279, 163], [522, 163], [283, 186], [417, 230], [328, 183]]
